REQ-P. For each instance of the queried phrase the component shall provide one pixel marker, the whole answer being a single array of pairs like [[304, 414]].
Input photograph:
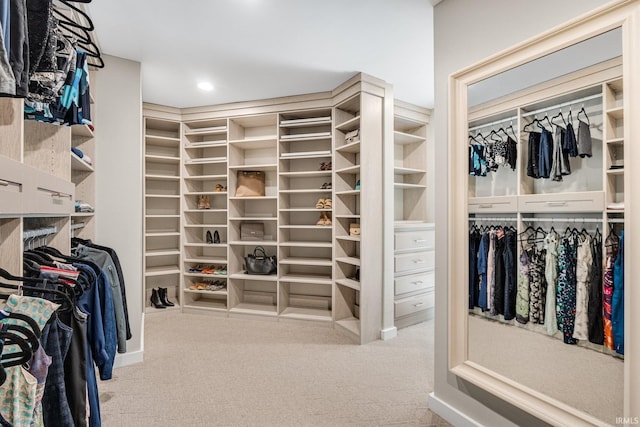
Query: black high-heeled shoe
[[209, 238], [162, 294], [216, 237], [155, 299]]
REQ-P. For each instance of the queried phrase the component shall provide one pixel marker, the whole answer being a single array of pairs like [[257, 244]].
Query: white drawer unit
[[414, 275], [414, 282], [405, 263], [414, 304], [49, 195], [587, 201], [12, 188], [414, 239], [498, 204]]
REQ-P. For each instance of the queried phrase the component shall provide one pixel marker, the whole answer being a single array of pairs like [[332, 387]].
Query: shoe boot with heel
[[162, 294], [155, 299]]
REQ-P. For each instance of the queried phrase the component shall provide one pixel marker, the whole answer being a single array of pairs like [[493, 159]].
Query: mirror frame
[[624, 14]]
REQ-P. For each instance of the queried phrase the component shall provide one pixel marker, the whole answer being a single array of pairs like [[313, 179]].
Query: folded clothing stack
[[83, 207], [78, 152]]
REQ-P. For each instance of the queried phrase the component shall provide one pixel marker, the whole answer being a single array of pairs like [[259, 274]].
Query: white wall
[[119, 182], [467, 31]]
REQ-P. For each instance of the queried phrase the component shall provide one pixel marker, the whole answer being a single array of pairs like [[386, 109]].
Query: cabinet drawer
[[414, 239], [588, 201], [12, 186], [49, 195], [414, 304], [414, 261], [504, 204], [414, 282]]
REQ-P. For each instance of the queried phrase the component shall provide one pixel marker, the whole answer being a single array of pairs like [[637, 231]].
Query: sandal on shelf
[[201, 202], [195, 269], [324, 219], [219, 188], [321, 203], [209, 270], [328, 203], [323, 166]]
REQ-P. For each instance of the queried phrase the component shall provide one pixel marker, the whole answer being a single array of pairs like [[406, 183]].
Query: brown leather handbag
[[250, 183]]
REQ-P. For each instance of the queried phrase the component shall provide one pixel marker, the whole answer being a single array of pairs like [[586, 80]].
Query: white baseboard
[[387, 334], [127, 359], [449, 413]]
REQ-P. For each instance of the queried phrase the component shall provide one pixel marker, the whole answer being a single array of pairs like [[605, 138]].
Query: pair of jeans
[[545, 154]]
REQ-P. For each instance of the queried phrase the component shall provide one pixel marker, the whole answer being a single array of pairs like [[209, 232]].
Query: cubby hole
[[297, 238], [252, 208], [253, 296], [253, 127], [235, 230], [162, 169], [305, 301], [162, 128], [270, 184], [162, 206], [162, 225], [205, 154]]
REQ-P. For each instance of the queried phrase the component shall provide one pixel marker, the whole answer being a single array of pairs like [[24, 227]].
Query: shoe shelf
[[253, 198], [349, 125], [253, 218], [205, 260], [300, 210], [205, 245], [305, 244], [253, 243], [352, 170], [204, 303], [210, 161], [407, 171], [162, 208], [353, 147], [162, 270], [257, 143], [218, 177], [205, 226], [82, 131], [82, 214], [348, 216], [205, 275], [307, 190], [305, 313], [350, 283], [305, 227], [254, 308], [402, 138], [348, 193], [305, 174], [307, 278], [349, 238], [407, 186], [206, 193], [255, 167], [206, 292], [323, 262], [349, 260], [77, 164]]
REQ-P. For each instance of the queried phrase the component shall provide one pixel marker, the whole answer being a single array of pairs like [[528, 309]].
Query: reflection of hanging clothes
[[537, 286], [583, 277], [545, 154], [522, 297], [478, 163], [511, 275], [570, 145], [607, 291], [497, 304], [584, 139], [534, 149], [491, 271], [19, 51], [551, 276], [617, 300], [474, 243], [596, 328], [483, 255], [566, 292], [560, 165]]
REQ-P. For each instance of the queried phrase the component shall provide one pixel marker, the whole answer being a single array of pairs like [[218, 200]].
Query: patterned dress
[[537, 286], [522, 296], [583, 276], [551, 276], [566, 291], [607, 293]]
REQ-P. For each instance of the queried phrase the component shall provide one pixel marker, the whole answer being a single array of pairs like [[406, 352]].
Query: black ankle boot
[[162, 293], [155, 299]]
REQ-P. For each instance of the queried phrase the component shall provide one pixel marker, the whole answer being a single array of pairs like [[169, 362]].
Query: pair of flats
[[324, 204], [326, 166], [208, 285], [213, 239], [326, 186]]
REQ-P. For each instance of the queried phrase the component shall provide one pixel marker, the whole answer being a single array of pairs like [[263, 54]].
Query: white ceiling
[[254, 49]]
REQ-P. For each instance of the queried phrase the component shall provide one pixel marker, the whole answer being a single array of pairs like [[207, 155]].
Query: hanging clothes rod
[[615, 221], [40, 232], [497, 122], [77, 226], [564, 104], [578, 220], [486, 218]]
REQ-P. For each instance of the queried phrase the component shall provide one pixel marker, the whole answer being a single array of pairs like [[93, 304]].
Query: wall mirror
[[540, 202]]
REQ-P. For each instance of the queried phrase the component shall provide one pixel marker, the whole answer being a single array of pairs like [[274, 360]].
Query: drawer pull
[[419, 240], [417, 282], [556, 203], [486, 206], [418, 261], [420, 304], [4, 183]]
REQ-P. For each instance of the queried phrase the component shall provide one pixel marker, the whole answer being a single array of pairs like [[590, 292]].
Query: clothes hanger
[[24, 318], [63, 298], [559, 116], [28, 334], [582, 111], [15, 358], [534, 122], [541, 125], [65, 18]]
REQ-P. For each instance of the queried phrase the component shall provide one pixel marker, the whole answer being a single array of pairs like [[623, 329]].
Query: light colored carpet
[[209, 371]]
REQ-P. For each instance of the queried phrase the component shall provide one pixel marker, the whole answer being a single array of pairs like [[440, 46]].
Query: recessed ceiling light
[[205, 86]]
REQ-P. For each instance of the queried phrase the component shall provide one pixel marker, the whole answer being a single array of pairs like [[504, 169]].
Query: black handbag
[[259, 263]]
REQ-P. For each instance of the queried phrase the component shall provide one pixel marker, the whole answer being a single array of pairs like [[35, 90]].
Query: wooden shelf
[[254, 218], [161, 140], [162, 177], [407, 171], [163, 270], [307, 191], [305, 210], [205, 245], [306, 227], [205, 177], [162, 234], [161, 159], [206, 305], [261, 309], [616, 113], [353, 147], [304, 313], [254, 198], [253, 243], [296, 244], [204, 275], [205, 260], [257, 277], [212, 161], [205, 226], [403, 186], [205, 292], [313, 279], [349, 125], [351, 170], [162, 216], [207, 193], [349, 283], [212, 144], [305, 174], [78, 164], [307, 156], [82, 214], [349, 238], [351, 324], [349, 260], [83, 131], [162, 196], [615, 141], [326, 262], [204, 210], [162, 252], [214, 130], [305, 122], [402, 138], [615, 172], [255, 143], [262, 167], [348, 193], [352, 216]]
